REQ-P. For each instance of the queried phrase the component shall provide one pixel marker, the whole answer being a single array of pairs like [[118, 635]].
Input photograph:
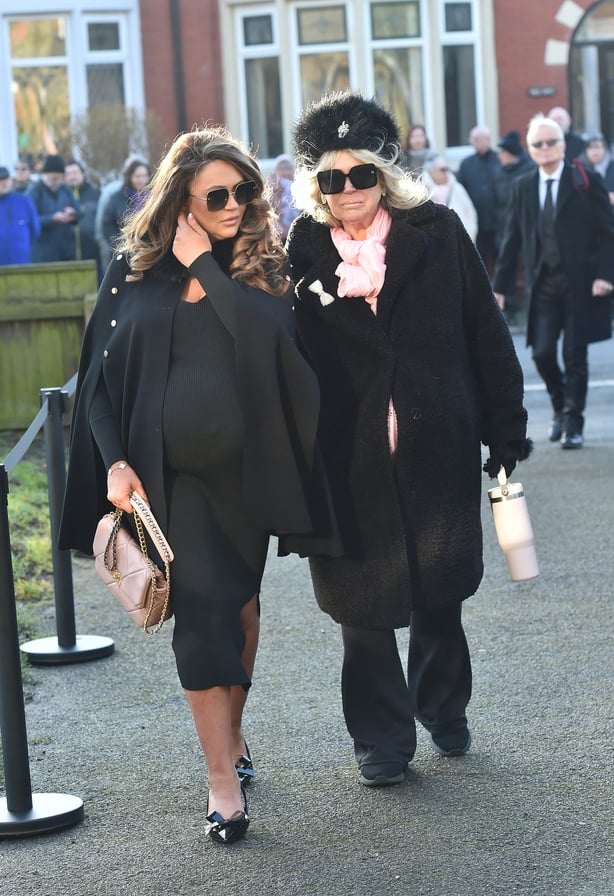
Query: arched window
[[591, 72]]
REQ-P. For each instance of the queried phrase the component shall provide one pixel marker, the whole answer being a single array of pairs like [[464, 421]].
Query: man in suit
[[561, 220]]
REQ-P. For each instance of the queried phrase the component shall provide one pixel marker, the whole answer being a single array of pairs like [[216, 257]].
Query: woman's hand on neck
[[190, 239]]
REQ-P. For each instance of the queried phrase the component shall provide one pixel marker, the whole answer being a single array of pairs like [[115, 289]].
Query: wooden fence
[[42, 317]]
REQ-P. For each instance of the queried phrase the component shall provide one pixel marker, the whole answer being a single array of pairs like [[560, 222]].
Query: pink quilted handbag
[[127, 570]]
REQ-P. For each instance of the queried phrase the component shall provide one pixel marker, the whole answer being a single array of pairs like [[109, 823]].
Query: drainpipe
[[178, 71]]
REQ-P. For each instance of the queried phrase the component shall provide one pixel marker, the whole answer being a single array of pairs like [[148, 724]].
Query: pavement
[[527, 811]]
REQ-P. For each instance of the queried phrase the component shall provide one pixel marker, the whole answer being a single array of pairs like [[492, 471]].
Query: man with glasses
[[560, 218]]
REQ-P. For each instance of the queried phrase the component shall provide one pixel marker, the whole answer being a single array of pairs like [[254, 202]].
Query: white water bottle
[[513, 528]]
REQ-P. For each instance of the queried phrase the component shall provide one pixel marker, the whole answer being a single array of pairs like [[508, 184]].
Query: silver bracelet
[[114, 467]]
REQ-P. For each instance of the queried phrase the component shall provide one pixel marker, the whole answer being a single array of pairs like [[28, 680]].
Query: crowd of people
[[54, 213]]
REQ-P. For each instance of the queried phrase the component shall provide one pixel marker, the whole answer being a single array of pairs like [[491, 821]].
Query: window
[[459, 41], [322, 35], [261, 93], [591, 72], [397, 60], [105, 62], [288, 54], [52, 76], [39, 81], [457, 17]]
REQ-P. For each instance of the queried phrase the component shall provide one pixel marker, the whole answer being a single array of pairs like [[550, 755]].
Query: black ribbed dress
[[219, 553]]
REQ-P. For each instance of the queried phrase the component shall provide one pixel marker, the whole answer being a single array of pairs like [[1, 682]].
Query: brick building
[[254, 63]]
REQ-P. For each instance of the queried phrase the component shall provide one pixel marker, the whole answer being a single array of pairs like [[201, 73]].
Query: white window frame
[[258, 51], [92, 57], [76, 56], [423, 42], [349, 46], [463, 38]]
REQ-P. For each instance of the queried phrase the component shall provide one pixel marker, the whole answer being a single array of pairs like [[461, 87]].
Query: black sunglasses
[[362, 177], [541, 143], [217, 199]]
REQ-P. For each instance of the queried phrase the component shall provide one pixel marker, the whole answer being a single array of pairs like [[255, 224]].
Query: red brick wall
[[199, 67], [522, 29]]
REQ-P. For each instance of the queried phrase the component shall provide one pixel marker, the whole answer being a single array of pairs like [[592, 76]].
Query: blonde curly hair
[[148, 232]]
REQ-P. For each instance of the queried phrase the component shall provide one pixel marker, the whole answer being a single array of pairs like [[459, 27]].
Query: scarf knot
[[363, 266]]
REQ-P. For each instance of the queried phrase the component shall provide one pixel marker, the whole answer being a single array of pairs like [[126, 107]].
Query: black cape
[[127, 342]]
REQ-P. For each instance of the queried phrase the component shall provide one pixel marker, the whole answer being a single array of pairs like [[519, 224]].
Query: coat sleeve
[[504, 280], [602, 218], [85, 496]]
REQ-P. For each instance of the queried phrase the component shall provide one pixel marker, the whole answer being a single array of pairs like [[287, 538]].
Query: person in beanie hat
[[515, 161], [58, 211], [416, 368]]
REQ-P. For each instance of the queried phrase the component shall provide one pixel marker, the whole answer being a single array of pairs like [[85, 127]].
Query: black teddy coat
[[441, 347]]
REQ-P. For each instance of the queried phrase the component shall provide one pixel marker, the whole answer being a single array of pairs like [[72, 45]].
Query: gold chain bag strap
[[127, 570]]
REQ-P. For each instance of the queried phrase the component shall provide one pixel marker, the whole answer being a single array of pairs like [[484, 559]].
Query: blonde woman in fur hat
[[417, 369]]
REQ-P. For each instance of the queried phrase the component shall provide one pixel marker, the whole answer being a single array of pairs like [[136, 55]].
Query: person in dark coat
[[574, 143], [416, 369], [597, 157], [87, 196], [514, 163], [561, 220], [128, 196], [478, 174], [192, 392], [19, 224], [58, 211]]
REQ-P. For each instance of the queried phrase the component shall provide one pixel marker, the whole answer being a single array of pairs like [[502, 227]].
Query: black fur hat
[[344, 120]]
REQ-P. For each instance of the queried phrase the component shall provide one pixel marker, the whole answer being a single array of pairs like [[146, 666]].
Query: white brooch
[[325, 297], [343, 129]]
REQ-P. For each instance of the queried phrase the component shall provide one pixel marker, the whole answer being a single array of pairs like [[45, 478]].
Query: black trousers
[[566, 387], [380, 705]]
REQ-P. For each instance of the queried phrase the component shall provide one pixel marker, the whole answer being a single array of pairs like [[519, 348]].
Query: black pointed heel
[[245, 767], [227, 830]]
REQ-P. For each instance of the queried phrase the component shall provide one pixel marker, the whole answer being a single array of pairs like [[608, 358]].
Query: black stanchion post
[[56, 484], [12, 715], [67, 647], [21, 812]]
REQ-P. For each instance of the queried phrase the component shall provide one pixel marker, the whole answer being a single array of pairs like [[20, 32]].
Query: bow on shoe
[[245, 769], [227, 830]]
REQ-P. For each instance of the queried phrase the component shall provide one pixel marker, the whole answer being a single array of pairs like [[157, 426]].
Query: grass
[[30, 537], [28, 513]]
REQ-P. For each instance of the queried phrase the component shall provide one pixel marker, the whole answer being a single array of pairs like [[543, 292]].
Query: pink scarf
[[363, 268], [361, 273]]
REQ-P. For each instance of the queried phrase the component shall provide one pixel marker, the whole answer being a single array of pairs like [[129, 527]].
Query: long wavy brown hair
[[147, 235]]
